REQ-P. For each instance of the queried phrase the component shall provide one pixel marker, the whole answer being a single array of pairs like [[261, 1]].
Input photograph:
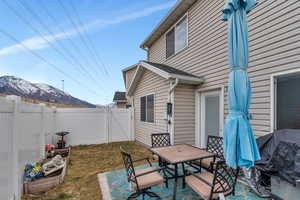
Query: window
[[143, 109], [287, 102], [176, 38], [170, 43], [147, 108]]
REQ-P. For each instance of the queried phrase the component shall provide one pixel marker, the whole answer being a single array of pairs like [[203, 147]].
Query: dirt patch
[[86, 162]]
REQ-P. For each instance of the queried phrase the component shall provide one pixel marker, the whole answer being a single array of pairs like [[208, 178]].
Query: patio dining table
[[180, 154]]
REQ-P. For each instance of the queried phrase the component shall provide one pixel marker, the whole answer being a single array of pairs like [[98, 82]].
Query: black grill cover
[[280, 153]]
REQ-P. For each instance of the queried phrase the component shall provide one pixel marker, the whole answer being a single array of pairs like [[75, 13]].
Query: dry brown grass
[[87, 161]]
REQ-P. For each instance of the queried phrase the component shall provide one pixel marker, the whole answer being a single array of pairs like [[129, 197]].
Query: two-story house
[[181, 88]]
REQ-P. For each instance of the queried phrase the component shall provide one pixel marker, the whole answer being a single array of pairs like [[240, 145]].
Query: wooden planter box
[[45, 184]]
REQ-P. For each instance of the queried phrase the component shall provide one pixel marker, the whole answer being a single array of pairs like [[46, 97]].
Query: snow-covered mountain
[[16, 86]]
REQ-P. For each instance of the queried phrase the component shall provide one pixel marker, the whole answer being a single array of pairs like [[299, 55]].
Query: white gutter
[[172, 88]]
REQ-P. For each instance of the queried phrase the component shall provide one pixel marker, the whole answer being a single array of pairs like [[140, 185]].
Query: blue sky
[[115, 27]]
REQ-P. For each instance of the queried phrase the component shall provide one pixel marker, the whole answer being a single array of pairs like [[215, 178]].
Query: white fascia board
[[178, 9], [141, 66], [134, 81], [188, 79], [160, 72], [127, 69]]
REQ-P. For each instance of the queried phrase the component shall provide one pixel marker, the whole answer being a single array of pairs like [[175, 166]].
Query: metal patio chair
[[214, 145], [210, 185], [160, 140], [141, 179]]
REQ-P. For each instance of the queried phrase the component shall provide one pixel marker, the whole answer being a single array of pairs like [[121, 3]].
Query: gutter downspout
[[170, 121], [172, 88]]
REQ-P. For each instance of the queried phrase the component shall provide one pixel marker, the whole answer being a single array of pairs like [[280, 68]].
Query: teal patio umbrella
[[240, 148]]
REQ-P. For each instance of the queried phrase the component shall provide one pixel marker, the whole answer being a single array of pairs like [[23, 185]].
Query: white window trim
[[273, 95], [198, 118], [146, 108], [187, 35]]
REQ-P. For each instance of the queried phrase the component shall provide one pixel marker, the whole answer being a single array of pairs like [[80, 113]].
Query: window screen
[[143, 109], [288, 102], [150, 108], [170, 38], [147, 108], [181, 35], [176, 38]]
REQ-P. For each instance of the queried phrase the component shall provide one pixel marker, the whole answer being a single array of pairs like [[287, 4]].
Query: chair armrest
[[199, 177], [141, 159], [149, 172]]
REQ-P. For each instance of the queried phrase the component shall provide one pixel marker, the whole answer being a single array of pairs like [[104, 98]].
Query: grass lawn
[[86, 162]]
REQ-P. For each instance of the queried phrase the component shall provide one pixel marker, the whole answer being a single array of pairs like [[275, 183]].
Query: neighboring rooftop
[[173, 15], [120, 96]]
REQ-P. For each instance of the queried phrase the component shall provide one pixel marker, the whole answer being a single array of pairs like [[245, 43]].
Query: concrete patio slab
[[114, 186]]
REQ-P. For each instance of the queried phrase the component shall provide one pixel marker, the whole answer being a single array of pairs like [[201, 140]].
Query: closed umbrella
[[240, 148]]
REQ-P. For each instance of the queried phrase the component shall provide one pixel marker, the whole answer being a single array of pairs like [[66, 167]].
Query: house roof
[[127, 69], [120, 96], [164, 71], [173, 15], [169, 69]]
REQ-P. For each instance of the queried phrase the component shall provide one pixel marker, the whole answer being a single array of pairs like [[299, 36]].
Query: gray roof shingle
[[170, 69], [120, 96]]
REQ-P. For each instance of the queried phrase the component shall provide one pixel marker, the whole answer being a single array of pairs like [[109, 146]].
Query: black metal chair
[[160, 140], [141, 179], [214, 145], [210, 185]]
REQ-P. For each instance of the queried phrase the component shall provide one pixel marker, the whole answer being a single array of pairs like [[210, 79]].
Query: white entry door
[[211, 115]]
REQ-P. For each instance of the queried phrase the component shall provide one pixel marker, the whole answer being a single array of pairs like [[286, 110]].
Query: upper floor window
[[147, 108], [176, 38]]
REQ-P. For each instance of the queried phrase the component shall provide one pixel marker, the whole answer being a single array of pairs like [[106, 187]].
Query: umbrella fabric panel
[[240, 147]]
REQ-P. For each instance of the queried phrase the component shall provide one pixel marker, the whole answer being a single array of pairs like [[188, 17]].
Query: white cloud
[[37, 42]]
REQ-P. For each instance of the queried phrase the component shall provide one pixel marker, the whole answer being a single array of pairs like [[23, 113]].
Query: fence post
[[42, 132], [14, 147], [132, 124], [54, 124], [107, 117]]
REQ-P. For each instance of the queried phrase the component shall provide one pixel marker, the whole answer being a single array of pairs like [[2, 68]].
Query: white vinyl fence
[[25, 129], [94, 126]]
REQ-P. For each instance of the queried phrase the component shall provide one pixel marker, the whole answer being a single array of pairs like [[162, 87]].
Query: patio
[[114, 186], [87, 161]]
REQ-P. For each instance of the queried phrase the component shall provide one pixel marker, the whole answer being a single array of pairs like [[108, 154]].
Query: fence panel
[[6, 181], [26, 128], [87, 126], [50, 126], [120, 125], [29, 136]]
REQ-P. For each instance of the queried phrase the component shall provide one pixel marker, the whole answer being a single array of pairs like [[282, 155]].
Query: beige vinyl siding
[[157, 53], [184, 114], [151, 83], [129, 76], [274, 36]]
